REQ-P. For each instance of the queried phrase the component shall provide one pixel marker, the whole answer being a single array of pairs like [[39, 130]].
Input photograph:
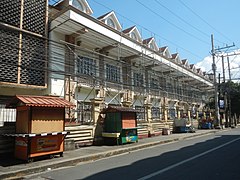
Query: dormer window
[[111, 20], [133, 33], [77, 5], [111, 23], [150, 43], [134, 36], [81, 5], [151, 46]]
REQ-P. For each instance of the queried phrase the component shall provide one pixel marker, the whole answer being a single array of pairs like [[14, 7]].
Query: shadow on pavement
[[219, 164]]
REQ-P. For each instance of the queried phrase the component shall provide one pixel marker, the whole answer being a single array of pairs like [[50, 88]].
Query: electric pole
[[229, 97], [214, 68]]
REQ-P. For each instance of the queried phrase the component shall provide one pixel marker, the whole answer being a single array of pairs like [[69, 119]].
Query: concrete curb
[[74, 161]]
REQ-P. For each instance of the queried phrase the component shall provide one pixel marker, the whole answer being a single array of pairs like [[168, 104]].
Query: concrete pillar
[[148, 111], [127, 99], [164, 108], [189, 114], [95, 102], [178, 113]]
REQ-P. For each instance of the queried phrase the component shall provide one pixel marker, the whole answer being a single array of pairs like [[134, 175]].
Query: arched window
[[151, 46], [78, 5], [134, 36], [111, 23]]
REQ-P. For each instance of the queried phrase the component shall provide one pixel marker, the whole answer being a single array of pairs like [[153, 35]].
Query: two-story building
[[95, 63], [62, 50]]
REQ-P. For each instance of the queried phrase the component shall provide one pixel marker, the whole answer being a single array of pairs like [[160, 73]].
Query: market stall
[[120, 125], [39, 126]]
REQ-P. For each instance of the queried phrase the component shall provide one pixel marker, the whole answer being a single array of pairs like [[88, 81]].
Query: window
[[172, 113], [152, 46], [86, 66], [84, 113], [134, 36], [137, 79], [140, 113], [77, 5], [112, 73], [111, 23], [155, 113], [154, 83]]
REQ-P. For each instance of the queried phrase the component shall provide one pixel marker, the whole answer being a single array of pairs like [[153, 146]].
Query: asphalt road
[[215, 156]]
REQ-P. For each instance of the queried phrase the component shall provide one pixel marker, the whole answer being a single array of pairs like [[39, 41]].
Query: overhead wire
[[54, 60], [148, 30], [183, 20], [169, 22], [203, 20]]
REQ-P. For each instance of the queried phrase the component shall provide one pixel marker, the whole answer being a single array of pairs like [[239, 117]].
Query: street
[[214, 156]]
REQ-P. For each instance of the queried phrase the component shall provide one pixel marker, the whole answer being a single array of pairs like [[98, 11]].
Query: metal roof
[[118, 109], [41, 101]]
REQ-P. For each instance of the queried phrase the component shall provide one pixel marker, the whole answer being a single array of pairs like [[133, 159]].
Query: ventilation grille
[[34, 16], [33, 60], [8, 56], [10, 12]]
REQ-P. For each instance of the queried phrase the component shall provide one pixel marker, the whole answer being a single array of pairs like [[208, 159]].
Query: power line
[[183, 20], [143, 27], [169, 22], [203, 20]]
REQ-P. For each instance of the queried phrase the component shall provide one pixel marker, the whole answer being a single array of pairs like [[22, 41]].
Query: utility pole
[[229, 72], [224, 95], [214, 68], [229, 97]]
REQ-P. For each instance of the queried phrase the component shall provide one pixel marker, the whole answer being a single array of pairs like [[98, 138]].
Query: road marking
[[185, 161]]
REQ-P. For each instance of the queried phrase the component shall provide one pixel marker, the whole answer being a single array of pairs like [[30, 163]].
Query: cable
[[50, 69], [183, 20], [161, 37], [203, 20]]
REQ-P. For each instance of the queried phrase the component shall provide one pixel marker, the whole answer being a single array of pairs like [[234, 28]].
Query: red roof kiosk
[[39, 126]]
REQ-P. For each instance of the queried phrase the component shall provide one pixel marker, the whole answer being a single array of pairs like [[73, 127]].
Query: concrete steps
[[80, 135]]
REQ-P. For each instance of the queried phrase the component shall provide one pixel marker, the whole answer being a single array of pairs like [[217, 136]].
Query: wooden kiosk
[[120, 125], [40, 126]]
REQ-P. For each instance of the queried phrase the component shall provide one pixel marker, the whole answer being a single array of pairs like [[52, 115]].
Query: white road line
[[186, 160]]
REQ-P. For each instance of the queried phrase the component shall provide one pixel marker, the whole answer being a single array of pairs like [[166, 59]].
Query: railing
[[7, 115]]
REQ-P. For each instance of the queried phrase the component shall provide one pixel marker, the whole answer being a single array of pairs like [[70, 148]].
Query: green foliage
[[232, 89]]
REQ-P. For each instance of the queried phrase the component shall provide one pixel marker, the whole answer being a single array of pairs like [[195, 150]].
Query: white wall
[[56, 63]]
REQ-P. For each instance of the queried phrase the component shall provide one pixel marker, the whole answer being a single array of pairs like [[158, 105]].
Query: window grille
[[112, 73], [84, 115], [138, 79], [140, 113], [155, 113], [86, 66]]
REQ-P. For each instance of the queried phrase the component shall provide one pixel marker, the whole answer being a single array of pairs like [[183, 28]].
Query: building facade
[[99, 64], [23, 49], [62, 50]]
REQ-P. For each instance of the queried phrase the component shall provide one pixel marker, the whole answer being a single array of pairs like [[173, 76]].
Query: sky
[[185, 26]]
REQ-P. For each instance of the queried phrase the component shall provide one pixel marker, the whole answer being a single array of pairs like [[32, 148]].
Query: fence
[[7, 115]]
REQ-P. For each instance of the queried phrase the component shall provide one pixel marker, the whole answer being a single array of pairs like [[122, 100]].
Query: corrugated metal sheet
[[41, 101], [119, 109]]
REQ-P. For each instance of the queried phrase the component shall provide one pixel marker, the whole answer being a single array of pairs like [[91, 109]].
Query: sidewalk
[[12, 168]]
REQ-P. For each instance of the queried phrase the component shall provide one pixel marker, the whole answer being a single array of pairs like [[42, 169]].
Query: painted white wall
[[84, 94], [103, 30], [57, 87], [56, 63]]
